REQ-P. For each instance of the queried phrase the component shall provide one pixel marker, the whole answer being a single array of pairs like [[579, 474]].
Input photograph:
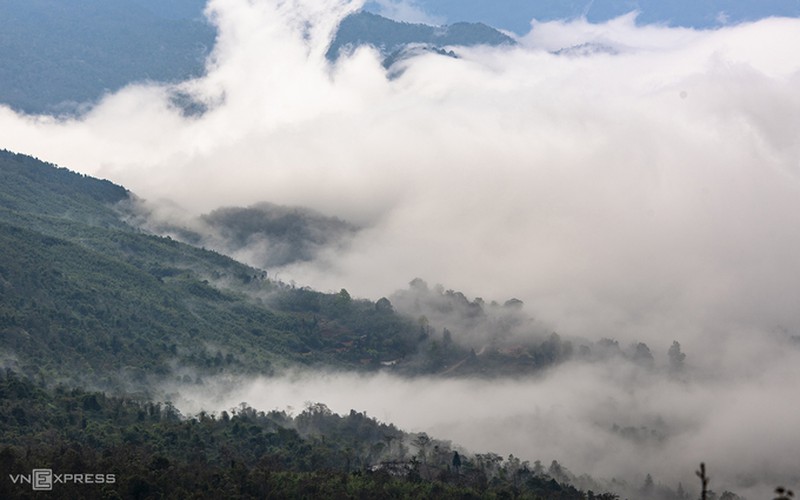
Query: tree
[[557, 472], [422, 441], [701, 473], [456, 462], [676, 357], [344, 297], [447, 337], [383, 305], [419, 285], [648, 487], [642, 355], [515, 468]]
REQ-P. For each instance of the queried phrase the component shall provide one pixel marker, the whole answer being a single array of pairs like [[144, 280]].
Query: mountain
[[391, 37]]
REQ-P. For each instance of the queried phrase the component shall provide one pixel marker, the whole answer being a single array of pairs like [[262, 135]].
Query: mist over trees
[[153, 450], [464, 336], [105, 293], [270, 236]]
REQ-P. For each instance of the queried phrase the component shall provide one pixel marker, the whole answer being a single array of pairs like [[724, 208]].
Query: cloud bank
[[634, 182], [607, 420]]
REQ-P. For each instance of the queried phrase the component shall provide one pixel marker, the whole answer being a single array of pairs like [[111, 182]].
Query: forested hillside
[[87, 295], [149, 450]]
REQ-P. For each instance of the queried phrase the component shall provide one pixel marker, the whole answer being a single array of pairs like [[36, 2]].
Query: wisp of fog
[[625, 181]]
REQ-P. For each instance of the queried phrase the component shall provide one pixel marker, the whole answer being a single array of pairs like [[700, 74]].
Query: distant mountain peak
[[392, 38]]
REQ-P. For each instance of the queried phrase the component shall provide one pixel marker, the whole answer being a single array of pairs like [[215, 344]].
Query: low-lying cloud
[[641, 185], [608, 420]]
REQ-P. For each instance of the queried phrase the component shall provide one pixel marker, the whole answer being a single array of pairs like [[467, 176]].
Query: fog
[[742, 426], [624, 181]]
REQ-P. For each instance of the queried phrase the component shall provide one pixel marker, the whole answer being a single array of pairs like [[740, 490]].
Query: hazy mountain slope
[[265, 235], [278, 235], [56, 54]]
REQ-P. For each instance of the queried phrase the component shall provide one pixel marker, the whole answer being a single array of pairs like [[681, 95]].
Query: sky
[[515, 15], [623, 179]]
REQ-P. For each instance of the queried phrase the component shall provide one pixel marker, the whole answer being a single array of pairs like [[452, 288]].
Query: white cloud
[[616, 194]]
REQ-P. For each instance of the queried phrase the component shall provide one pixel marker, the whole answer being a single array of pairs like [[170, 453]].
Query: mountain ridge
[[390, 37]]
